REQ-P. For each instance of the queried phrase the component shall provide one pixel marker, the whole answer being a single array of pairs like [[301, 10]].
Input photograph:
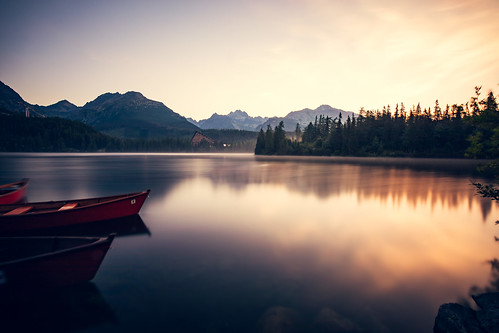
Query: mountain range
[[241, 120], [305, 117], [238, 120], [131, 115], [128, 115]]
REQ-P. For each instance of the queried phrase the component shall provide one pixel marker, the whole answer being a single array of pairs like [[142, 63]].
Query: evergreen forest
[[457, 131], [52, 134]]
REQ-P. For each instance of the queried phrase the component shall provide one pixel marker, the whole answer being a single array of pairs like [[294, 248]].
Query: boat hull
[[57, 268], [14, 192], [105, 208]]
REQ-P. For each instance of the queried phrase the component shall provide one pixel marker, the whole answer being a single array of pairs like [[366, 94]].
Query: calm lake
[[238, 243]]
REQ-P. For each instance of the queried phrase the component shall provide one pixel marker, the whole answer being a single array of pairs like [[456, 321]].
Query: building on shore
[[199, 137]]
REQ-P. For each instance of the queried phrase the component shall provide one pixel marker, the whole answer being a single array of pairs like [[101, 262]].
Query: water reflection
[[67, 309], [62, 176], [84, 175], [326, 243], [125, 226], [392, 184], [243, 244]]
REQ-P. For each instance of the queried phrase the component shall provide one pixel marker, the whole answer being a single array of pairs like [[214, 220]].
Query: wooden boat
[[29, 262], [13, 192], [39, 215]]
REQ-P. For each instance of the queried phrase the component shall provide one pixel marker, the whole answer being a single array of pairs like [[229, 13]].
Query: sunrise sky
[[266, 57]]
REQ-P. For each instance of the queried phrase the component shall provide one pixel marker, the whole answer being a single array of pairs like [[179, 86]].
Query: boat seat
[[19, 210], [70, 205]]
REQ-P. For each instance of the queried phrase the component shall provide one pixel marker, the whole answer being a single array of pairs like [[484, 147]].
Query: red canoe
[[13, 192], [29, 262], [39, 215]]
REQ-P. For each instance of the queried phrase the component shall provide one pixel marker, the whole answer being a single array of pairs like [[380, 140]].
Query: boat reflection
[[125, 226], [66, 309]]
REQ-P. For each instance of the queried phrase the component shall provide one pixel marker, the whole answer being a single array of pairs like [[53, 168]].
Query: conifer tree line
[[470, 130]]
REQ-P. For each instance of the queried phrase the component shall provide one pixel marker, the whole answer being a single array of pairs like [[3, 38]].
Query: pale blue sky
[[262, 56]]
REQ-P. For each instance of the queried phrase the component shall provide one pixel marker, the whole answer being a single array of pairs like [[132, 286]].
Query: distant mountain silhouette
[[11, 101], [238, 120], [129, 115], [304, 117], [60, 109]]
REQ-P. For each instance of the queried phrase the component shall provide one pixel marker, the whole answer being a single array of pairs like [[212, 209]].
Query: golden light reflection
[[380, 183], [382, 229]]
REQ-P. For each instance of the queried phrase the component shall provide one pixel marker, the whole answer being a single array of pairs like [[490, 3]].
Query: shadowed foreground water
[[235, 243]]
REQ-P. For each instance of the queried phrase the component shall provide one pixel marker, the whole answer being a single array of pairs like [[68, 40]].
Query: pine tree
[[484, 142], [280, 139], [437, 111], [475, 107], [260, 143], [298, 132], [269, 141]]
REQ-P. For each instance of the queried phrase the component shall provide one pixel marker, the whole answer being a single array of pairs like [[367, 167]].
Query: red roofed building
[[198, 137]]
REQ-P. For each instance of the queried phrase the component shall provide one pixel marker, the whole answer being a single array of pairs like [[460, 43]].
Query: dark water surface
[[236, 243]]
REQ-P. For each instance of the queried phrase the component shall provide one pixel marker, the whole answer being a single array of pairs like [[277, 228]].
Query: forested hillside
[[21, 134], [470, 130], [18, 133]]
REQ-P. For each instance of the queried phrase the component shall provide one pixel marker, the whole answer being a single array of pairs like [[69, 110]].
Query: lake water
[[238, 243]]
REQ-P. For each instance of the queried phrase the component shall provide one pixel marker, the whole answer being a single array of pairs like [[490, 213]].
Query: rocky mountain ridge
[[132, 115], [238, 120], [241, 120], [305, 117], [129, 115]]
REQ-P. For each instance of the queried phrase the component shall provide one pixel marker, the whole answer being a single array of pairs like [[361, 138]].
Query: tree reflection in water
[[252, 241]]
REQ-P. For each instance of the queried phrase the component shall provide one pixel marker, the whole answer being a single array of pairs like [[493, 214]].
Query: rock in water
[[488, 315], [456, 318]]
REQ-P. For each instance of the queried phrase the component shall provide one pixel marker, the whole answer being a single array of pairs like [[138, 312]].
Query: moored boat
[[39, 215], [30, 262], [13, 192]]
